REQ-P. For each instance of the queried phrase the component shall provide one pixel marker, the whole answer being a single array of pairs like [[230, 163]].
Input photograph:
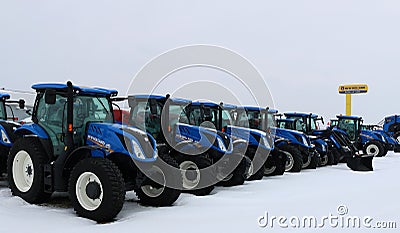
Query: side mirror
[[21, 104], [50, 97]]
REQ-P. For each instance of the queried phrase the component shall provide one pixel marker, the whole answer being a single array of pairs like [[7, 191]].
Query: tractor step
[[48, 178]]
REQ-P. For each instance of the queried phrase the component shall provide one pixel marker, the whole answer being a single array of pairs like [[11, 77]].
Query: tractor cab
[[3, 112], [158, 115], [306, 123], [351, 125], [391, 125]]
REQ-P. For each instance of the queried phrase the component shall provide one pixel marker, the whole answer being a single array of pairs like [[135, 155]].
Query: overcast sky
[[303, 48]]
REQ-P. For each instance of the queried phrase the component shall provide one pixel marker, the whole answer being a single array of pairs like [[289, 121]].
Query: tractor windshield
[[300, 123], [209, 117], [350, 126], [2, 111], [148, 118]]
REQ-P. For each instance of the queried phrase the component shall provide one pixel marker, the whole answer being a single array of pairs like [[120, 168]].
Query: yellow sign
[[349, 90], [353, 89]]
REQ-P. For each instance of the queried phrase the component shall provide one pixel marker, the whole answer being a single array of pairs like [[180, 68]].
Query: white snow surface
[[236, 209]]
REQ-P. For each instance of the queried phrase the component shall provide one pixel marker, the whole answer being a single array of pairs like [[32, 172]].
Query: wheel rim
[[324, 160], [23, 172], [152, 191], [306, 164], [269, 170], [85, 197], [290, 162], [188, 181], [398, 138], [372, 149], [223, 177]]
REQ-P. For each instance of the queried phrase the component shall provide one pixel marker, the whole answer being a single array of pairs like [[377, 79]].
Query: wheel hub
[[191, 174], [29, 171], [93, 190]]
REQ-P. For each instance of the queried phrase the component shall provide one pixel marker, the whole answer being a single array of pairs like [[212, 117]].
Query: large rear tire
[[97, 189], [295, 158], [154, 194], [374, 148], [237, 177], [25, 170]]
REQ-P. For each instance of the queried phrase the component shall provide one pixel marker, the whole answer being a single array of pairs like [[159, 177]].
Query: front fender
[[33, 129]]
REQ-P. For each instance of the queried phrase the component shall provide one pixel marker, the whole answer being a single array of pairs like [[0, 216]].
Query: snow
[[310, 193]]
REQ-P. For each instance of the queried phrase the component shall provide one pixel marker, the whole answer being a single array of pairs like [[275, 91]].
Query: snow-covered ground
[[313, 193]]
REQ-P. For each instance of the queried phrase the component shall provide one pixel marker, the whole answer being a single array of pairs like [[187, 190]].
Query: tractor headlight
[[4, 137], [221, 144], [138, 151]]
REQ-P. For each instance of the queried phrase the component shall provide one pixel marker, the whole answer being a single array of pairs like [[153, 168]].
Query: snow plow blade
[[360, 163]]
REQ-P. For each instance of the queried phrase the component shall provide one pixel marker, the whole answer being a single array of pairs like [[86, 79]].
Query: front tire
[[25, 170], [194, 176], [296, 156], [153, 194], [97, 189]]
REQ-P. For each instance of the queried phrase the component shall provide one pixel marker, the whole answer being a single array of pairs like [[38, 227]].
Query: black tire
[[258, 175], [3, 159], [237, 177], [374, 148], [201, 162], [35, 193], [314, 161], [331, 157], [297, 157], [168, 195], [109, 179], [324, 160]]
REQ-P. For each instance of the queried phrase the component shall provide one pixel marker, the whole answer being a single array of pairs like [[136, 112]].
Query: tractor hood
[[294, 137], [203, 137], [368, 135], [116, 138], [254, 137]]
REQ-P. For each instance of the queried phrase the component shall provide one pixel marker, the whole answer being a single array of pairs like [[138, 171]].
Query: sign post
[[349, 90]]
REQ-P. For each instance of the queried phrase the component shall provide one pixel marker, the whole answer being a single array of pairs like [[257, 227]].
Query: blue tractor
[[295, 145], [308, 124], [258, 144], [300, 141], [7, 129], [74, 146], [254, 118], [372, 143], [236, 165], [391, 125], [194, 148], [391, 143]]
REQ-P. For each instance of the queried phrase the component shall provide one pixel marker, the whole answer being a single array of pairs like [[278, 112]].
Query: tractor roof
[[254, 108], [82, 90], [4, 96], [161, 97], [274, 111], [231, 106], [300, 114], [349, 117], [207, 104]]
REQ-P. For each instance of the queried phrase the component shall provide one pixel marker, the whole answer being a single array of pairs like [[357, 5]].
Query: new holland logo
[[99, 142]]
